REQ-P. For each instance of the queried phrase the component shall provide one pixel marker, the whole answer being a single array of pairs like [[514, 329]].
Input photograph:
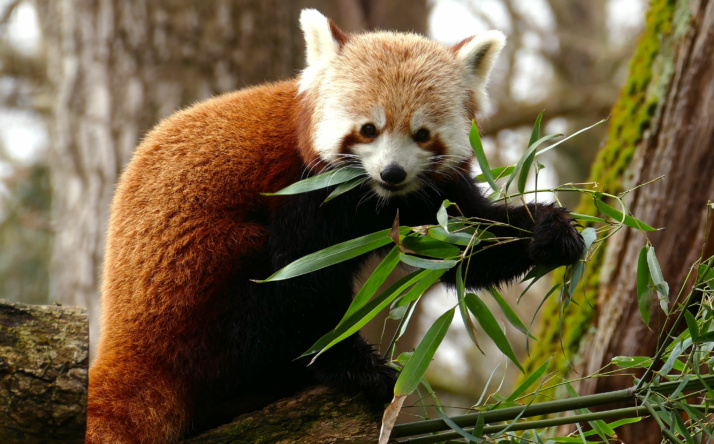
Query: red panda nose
[[393, 174]]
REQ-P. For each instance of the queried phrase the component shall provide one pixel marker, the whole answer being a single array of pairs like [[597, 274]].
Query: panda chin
[[390, 191]]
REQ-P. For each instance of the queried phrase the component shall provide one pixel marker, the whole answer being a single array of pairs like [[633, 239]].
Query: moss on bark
[[641, 99]]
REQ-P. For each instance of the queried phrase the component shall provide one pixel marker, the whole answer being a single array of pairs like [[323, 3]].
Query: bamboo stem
[[543, 408]]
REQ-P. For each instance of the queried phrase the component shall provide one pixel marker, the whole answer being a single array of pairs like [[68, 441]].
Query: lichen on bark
[[44, 358]]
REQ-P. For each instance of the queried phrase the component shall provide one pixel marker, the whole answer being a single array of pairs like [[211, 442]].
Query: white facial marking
[[393, 149], [379, 117]]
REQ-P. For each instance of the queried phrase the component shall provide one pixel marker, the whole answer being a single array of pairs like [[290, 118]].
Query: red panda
[[184, 328]]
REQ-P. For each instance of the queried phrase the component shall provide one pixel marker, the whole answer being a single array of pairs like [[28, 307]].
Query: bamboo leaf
[[415, 368], [575, 276], [332, 255], [508, 312], [589, 236], [658, 280], [477, 147], [536, 274], [375, 280], [457, 238], [526, 168], [420, 287], [531, 150], [490, 326], [618, 216], [673, 359], [349, 326], [632, 361], [389, 418], [426, 246], [442, 216], [586, 218], [345, 187], [455, 427], [692, 325], [546, 149], [324, 180], [529, 381], [428, 264], [496, 173], [644, 281]]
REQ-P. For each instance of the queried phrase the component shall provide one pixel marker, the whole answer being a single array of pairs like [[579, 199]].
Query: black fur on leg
[[353, 366]]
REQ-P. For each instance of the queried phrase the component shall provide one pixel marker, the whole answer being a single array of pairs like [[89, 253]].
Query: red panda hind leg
[[135, 403]]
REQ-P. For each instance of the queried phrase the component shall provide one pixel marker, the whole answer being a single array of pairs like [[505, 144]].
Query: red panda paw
[[555, 239]]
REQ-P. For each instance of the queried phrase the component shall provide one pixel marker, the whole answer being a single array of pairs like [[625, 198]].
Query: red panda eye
[[369, 130], [422, 135]]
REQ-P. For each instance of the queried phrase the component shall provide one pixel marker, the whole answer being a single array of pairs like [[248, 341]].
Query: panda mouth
[[393, 188]]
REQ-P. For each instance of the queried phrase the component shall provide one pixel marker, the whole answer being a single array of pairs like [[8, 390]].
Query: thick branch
[[317, 414], [44, 355]]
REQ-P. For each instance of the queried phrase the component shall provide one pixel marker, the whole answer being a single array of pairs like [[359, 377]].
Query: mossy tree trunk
[[663, 124]]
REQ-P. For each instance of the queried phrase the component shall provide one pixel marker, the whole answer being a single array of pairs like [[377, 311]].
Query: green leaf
[[536, 274], [427, 246], [442, 216], [525, 169], [586, 218], [658, 280], [490, 326], [632, 361], [455, 427], [618, 216], [477, 147], [496, 173], [529, 381], [589, 236], [508, 312], [673, 358], [546, 149], [575, 276], [458, 238], [644, 292], [428, 264], [332, 255], [420, 287], [415, 368], [324, 180], [531, 150], [345, 187], [706, 275], [347, 327], [692, 325], [375, 280]]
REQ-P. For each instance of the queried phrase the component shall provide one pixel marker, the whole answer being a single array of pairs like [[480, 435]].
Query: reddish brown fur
[[183, 222], [339, 35]]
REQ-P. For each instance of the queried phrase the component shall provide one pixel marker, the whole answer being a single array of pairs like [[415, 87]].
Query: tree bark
[[677, 143], [317, 414], [44, 357]]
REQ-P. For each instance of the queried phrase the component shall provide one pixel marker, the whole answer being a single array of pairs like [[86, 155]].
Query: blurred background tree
[[101, 73]]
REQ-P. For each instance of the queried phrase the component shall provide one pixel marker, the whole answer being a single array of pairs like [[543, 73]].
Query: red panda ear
[[478, 54], [323, 38]]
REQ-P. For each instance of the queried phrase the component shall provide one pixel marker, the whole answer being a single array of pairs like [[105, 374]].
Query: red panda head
[[398, 105]]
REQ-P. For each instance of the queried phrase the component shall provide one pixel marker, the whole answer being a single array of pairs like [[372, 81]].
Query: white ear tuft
[[320, 43], [478, 54]]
